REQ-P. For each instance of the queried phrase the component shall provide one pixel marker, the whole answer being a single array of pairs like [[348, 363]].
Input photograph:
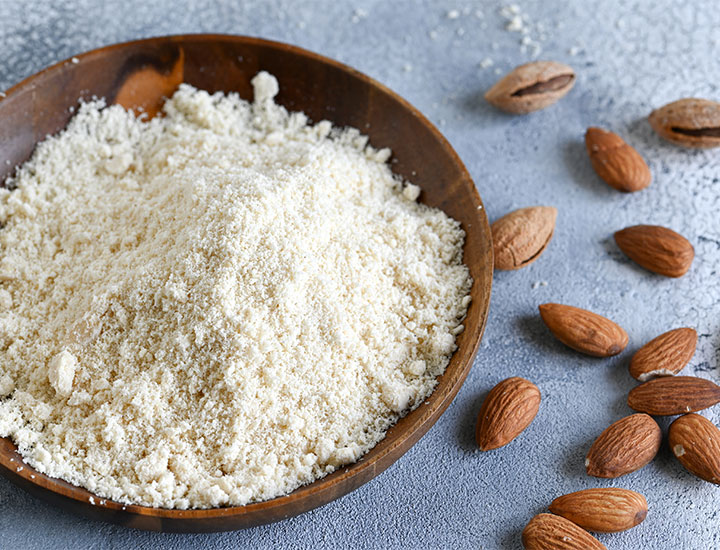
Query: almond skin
[[665, 355], [508, 409], [657, 249], [672, 395], [551, 532], [616, 162], [625, 446], [695, 442], [608, 510], [531, 87], [522, 235], [689, 122], [583, 330]]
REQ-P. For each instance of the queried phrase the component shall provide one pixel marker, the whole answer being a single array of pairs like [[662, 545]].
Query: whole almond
[[531, 87], [657, 249], [508, 409], [606, 510], [625, 446], [522, 235], [689, 122], [618, 164], [551, 532], [695, 442], [672, 395], [583, 330], [665, 355]]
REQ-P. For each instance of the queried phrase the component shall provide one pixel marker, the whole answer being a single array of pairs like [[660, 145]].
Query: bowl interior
[[139, 75]]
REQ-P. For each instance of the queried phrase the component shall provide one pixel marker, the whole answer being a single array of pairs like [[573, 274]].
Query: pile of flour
[[216, 306]]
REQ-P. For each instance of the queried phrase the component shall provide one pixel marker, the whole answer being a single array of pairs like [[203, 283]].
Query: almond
[[625, 446], [657, 249], [695, 442], [674, 395], [584, 330], [551, 532], [665, 355], [522, 235], [531, 87], [508, 409], [618, 164], [689, 122], [606, 510]]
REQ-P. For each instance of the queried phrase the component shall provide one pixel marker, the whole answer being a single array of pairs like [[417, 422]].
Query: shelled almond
[[551, 532], [657, 249], [604, 510], [672, 395], [695, 442], [616, 162], [583, 330], [624, 446], [508, 409], [665, 355]]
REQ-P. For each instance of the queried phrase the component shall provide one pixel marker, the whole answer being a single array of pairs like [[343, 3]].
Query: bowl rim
[[304, 496]]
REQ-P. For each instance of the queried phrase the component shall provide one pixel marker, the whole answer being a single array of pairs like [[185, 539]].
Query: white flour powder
[[217, 306]]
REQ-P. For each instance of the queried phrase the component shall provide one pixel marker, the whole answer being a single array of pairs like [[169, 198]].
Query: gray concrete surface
[[630, 56]]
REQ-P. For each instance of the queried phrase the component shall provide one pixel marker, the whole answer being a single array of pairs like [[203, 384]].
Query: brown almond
[[672, 395], [531, 87], [657, 249], [690, 122], [695, 442], [625, 446], [583, 330], [665, 355], [522, 235], [508, 409], [616, 162], [551, 532], [607, 510]]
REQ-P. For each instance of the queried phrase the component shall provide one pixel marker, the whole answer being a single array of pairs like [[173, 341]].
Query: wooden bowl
[[140, 74]]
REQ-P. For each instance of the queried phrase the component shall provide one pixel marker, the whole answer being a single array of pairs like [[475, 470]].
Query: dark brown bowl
[[141, 74]]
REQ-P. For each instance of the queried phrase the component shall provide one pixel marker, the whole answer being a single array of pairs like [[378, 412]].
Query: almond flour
[[216, 306]]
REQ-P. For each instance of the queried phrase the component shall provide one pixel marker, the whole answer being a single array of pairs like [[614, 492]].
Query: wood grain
[[139, 75]]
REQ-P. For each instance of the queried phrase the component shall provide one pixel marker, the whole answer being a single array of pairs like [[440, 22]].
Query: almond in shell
[[522, 235], [665, 355], [551, 532], [531, 87], [690, 122], [583, 330], [616, 162], [508, 409], [672, 395], [606, 510], [624, 446], [657, 249], [695, 442]]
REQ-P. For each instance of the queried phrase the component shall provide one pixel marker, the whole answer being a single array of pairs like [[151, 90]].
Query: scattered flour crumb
[[486, 62], [359, 14], [452, 14], [75, 60]]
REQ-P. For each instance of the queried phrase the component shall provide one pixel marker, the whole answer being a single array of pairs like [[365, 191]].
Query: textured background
[[630, 56]]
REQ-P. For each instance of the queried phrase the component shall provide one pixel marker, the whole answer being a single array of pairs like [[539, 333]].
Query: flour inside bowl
[[216, 306]]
